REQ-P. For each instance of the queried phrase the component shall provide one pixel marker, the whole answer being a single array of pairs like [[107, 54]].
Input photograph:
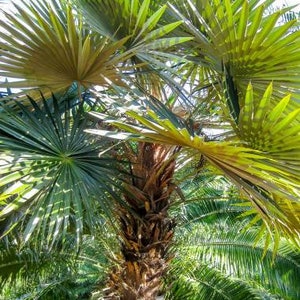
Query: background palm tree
[[167, 74]]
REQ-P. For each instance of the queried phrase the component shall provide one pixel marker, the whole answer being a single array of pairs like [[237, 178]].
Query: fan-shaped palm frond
[[52, 178], [270, 129], [244, 40], [46, 46], [275, 133], [149, 33]]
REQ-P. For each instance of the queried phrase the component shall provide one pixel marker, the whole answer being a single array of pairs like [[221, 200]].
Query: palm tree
[[167, 74]]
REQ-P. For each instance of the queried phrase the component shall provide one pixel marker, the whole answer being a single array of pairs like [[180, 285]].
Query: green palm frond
[[52, 178], [45, 46], [66, 273], [245, 38], [27, 264], [204, 210], [215, 236], [59, 273], [202, 282], [150, 36], [160, 125], [28, 273], [276, 134], [230, 256]]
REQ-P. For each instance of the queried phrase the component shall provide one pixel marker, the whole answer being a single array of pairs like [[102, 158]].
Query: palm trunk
[[146, 229]]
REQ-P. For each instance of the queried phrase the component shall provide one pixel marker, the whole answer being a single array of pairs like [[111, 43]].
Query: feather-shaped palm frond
[[45, 46], [247, 39], [260, 176], [197, 281], [27, 265], [207, 197], [52, 178], [213, 234], [225, 249]]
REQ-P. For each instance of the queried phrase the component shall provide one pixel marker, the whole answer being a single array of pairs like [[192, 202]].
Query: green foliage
[[167, 73], [135, 19], [51, 49], [53, 180], [68, 273], [244, 37], [214, 256], [217, 257]]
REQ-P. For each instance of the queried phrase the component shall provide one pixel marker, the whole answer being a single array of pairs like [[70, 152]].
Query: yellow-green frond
[[271, 130], [53, 51], [249, 39]]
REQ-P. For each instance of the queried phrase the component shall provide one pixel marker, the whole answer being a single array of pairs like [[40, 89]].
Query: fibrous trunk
[[146, 230]]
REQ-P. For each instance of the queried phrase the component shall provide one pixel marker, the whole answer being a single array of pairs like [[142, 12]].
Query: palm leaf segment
[[49, 163], [245, 38], [25, 266], [271, 130], [48, 48], [270, 181]]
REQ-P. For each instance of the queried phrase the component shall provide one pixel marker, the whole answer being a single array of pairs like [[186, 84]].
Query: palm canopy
[[55, 176], [226, 53]]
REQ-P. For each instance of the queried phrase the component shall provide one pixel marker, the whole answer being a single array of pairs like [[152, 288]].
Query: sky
[[288, 2]]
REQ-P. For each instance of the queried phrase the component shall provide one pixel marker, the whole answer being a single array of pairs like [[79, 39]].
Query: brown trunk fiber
[[146, 230]]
